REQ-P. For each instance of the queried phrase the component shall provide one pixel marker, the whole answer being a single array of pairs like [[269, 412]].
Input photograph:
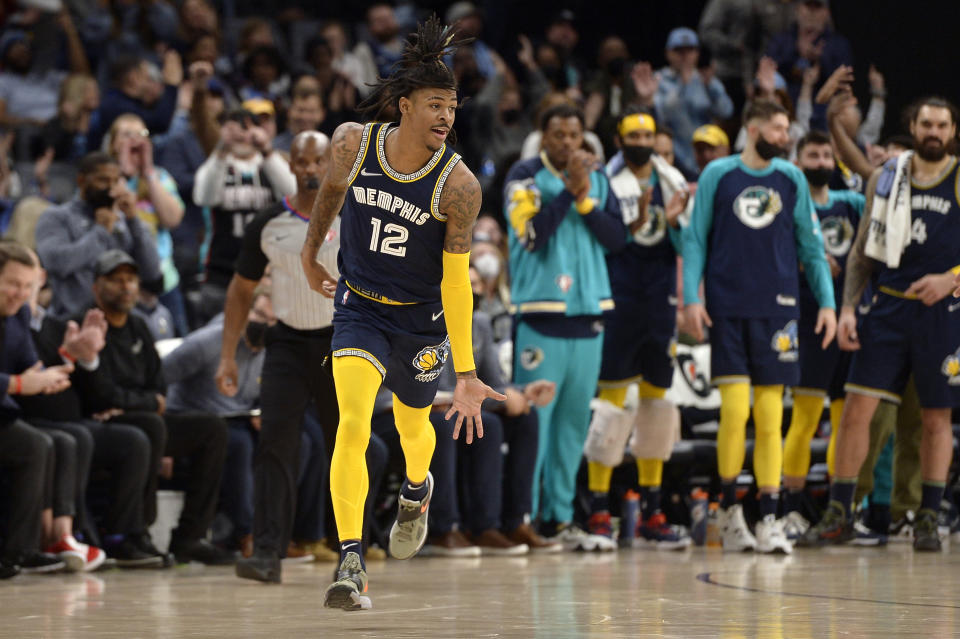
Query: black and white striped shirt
[[275, 236]]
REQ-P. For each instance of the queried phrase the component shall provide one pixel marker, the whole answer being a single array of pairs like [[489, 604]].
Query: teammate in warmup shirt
[[408, 208]]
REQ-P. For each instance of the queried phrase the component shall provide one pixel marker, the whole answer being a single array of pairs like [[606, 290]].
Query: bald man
[[295, 347]]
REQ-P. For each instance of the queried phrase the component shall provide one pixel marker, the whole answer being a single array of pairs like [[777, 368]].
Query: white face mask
[[488, 266]]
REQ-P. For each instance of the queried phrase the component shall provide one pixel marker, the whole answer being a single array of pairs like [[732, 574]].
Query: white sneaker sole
[[512, 551]]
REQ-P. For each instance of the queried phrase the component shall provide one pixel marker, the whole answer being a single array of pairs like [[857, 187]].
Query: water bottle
[[698, 516], [713, 525], [629, 515]]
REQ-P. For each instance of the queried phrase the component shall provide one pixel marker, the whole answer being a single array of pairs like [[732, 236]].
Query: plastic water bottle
[[629, 515], [713, 525], [699, 509]]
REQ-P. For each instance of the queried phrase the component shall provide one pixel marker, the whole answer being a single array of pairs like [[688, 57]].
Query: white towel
[[890, 218], [671, 181]]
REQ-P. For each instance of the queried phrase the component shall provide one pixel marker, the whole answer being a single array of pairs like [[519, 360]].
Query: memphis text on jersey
[[391, 204]]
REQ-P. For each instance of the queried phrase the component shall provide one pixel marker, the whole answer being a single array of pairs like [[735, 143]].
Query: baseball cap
[[682, 37], [711, 134], [111, 260], [259, 106]]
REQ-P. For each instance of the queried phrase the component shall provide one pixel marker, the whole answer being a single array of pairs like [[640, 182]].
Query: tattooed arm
[[343, 153], [859, 269], [460, 202]]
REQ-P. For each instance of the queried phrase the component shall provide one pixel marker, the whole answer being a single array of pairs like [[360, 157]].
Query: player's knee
[[734, 405], [608, 433], [657, 429]]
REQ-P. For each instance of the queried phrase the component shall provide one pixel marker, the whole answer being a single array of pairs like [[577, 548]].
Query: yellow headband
[[636, 122]]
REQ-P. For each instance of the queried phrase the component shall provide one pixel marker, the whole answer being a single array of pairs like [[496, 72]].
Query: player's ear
[[404, 105]]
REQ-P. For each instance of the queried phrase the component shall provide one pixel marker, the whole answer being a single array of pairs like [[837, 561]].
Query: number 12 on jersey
[[394, 235]]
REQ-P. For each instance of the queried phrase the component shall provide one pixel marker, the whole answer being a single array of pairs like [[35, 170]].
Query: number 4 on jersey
[[918, 232], [394, 236]]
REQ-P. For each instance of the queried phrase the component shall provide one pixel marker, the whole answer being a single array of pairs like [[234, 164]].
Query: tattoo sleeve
[[461, 204], [859, 266], [343, 153]]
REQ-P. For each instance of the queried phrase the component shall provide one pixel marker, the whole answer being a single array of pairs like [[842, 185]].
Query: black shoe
[[39, 562], [926, 537], [834, 528], [145, 544], [127, 554], [261, 566], [348, 590], [203, 551], [8, 570]]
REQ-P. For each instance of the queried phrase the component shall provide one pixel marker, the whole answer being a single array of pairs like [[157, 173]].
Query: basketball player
[[640, 335], [408, 209], [752, 219], [911, 327], [822, 372]]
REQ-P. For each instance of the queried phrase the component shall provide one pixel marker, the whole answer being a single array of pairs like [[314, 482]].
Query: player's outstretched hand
[[696, 317], [320, 280], [827, 324], [847, 338], [467, 399]]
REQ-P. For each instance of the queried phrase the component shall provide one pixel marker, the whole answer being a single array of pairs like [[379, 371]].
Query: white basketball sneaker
[[771, 537], [734, 534]]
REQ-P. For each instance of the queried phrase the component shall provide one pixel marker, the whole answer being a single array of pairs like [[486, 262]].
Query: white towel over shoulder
[[671, 181], [890, 218]]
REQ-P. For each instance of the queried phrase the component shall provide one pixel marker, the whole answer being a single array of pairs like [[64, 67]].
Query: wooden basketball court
[[839, 592]]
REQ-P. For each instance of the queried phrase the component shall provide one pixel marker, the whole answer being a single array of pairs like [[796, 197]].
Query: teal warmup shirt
[[746, 235], [839, 220]]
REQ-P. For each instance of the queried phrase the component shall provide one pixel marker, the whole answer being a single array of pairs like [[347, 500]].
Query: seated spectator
[[709, 143], [497, 496], [157, 316], [158, 204], [306, 113], [562, 36], [684, 96], [346, 62], [340, 97], [241, 176], [72, 235], [264, 74], [28, 96], [121, 451], [493, 287], [663, 144], [129, 387], [467, 19], [264, 115], [382, 46], [133, 91], [611, 93], [770, 85]]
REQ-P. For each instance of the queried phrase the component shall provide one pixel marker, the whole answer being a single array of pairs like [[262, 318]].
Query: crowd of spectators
[[137, 140]]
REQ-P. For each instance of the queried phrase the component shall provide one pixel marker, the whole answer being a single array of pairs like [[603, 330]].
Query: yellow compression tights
[[836, 413], [417, 438], [732, 434], [803, 426], [357, 381], [768, 440], [649, 471]]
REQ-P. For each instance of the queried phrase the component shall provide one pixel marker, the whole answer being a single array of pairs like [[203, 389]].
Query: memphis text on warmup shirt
[[391, 204]]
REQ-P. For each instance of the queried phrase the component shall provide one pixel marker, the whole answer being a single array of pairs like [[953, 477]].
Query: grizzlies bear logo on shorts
[[951, 368], [785, 342], [430, 360]]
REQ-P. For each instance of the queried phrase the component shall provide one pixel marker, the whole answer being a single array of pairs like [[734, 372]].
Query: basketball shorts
[[639, 344], [822, 372], [759, 351]]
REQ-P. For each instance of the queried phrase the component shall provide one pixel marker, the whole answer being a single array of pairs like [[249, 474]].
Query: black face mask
[[818, 177], [637, 155], [769, 150], [256, 334], [510, 116], [313, 183], [616, 67], [98, 198]]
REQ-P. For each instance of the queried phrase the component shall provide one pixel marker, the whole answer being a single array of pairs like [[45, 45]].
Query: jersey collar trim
[[389, 170], [289, 207]]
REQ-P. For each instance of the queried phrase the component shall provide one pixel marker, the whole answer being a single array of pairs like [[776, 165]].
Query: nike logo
[[436, 315], [364, 173], [953, 307], [280, 238]]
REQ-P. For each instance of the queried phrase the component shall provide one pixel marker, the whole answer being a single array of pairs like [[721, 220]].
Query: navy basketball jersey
[[392, 230], [647, 266], [839, 220], [934, 232]]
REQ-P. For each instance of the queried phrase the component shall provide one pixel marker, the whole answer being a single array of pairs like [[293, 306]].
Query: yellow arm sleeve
[[456, 295], [955, 270]]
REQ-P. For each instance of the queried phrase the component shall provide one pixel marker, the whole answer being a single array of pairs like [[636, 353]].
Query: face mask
[[256, 334], [99, 198], [510, 116], [637, 155], [488, 266], [768, 150], [616, 67], [818, 177], [313, 183]]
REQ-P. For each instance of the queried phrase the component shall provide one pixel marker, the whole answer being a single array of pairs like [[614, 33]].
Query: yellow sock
[[417, 438], [616, 396], [836, 413], [598, 477], [650, 472], [348, 468], [732, 434], [768, 442], [803, 426]]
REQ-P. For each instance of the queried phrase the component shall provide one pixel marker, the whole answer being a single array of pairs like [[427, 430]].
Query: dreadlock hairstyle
[[421, 66]]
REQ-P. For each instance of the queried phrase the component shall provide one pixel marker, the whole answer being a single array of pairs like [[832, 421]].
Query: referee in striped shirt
[[295, 348]]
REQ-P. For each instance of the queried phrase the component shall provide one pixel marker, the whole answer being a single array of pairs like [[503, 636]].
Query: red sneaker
[[78, 557]]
